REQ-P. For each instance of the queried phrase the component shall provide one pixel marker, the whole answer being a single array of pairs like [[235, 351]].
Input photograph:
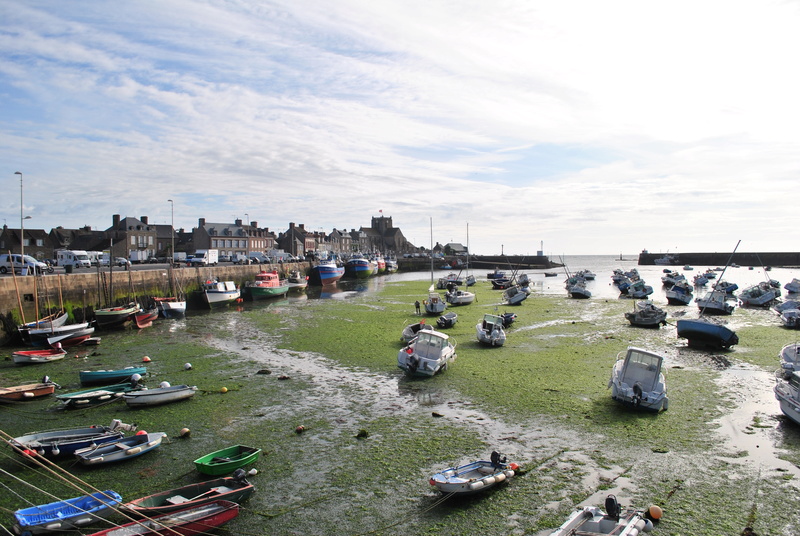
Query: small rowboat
[[124, 449], [189, 521], [30, 357], [226, 460], [97, 395], [100, 377], [28, 391], [234, 488], [159, 395], [65, 515], [475, 476], [57, 443], [68, 340]]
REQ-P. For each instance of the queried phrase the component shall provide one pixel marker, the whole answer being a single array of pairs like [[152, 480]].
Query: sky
[[568, 126]]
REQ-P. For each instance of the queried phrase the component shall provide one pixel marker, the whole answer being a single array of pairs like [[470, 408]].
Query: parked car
[[15, 260], [122, 261], [225, 258]]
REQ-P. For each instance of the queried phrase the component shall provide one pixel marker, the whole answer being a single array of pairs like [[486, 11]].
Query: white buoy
[[252, 472], [164, 384], [136, 377], [187, 366]]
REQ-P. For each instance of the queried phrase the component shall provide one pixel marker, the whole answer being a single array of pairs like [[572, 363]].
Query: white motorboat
[[672, 277], [760, 295], [790, 358], [787, 392], [459, 297], [434, 305], [638, 290], [679, 294], [514, 295], [220, 293], [171, 307], [790, 318], [490, 330], [576, 286], [637, 380], [592, 521], [700, 280], [714, 303], [646, 314], [430, 352], [475, 476]]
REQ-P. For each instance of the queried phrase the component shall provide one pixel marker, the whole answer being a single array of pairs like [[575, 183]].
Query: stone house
[[37, 242]]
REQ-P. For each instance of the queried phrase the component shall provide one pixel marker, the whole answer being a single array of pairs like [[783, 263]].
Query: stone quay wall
[[721, 258]]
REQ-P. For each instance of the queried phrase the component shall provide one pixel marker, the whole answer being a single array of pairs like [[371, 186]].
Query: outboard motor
[[612, 508], [240, 476], [637, 393], [496, 460]]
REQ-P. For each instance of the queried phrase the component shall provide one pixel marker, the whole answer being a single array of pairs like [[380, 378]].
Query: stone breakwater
[[785, 259]]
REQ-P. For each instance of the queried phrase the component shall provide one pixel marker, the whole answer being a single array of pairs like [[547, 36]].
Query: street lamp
[[172, 233], [21, 220]]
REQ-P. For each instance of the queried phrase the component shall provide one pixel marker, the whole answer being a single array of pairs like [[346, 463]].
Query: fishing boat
[[297, 280], [705, 333], [226, 460], [789, 357], [116, 317], [171, 307], [66, 515], [637, 380], [234, 488], [54, 320], [411, 330], [68, 340], [793, 286], [496, 274], [158, 396], [219, 293], [101, 377], [32, 357], [143, 318], [359, 267], [124, 449], [508, 319], [646, 314], [448, 281], [55, 443], [787, 392], [592, 521], [96, 396], [576, 287], [429, 353], [490, 330], [447, 320], [194, 520], [475, 476], [266, 285], [28, 391], [325, 273]]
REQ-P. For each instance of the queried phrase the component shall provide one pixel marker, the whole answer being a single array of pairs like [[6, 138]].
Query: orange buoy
[[145, 359], [654, 511]]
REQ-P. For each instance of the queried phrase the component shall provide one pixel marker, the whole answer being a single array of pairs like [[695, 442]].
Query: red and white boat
[[30, 357], [188, 522]]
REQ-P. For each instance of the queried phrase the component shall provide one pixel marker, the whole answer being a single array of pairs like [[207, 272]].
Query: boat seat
[[177, 499], [221, 489]]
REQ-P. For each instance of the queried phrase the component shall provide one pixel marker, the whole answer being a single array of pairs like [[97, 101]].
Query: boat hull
[[62, 443], [325, 274], [472, 477], [26, 392], [232, 489], [100, 377], [158, 396], [115, 317], [191, 521], [66, 515], [703, 334], [226, 460]]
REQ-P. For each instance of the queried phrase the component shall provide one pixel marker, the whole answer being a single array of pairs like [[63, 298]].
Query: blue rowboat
[[55, 443], [124, 449], [100, 377], [65, 515]]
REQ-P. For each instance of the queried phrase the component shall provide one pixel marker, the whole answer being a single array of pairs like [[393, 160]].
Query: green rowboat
[[226, 460]]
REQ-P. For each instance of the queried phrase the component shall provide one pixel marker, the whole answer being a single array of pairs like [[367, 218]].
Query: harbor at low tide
[[541, 400]]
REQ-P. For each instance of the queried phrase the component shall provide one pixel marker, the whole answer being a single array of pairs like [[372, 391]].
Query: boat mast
[[431, 254], [722, 274]]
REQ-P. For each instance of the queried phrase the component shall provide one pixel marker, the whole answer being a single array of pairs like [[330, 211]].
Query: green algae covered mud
[[349, 442]]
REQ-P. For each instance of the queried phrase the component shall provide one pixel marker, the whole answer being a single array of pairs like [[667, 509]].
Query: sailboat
[[174, 305], [435, 304], [703, 332]]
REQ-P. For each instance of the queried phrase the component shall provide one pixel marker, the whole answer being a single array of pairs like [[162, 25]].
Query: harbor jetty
[[783, 259]]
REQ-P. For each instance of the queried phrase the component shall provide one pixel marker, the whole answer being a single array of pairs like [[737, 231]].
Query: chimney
[[115, 220], [144, 219], [302, 226], [291, 225], [237, 222], [201, 222], [254, 224]]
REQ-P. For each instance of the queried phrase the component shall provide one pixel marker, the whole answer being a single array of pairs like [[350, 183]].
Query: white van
[[31, 264], [257, 257], [76, 258]]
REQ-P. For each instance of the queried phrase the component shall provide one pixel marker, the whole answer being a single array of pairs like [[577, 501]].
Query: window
[[39, 242], [149, 240], [26, 241], [133, 240]]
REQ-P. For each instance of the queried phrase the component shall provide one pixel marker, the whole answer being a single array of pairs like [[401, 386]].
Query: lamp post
[[21, 220], [172, 232]]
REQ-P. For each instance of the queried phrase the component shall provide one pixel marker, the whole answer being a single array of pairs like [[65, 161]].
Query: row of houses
[[137, 239]]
